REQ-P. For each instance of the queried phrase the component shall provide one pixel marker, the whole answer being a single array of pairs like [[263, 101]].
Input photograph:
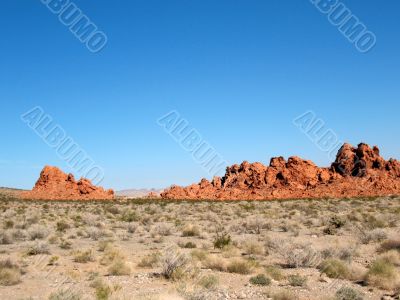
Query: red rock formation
[[53, 184], [356, 172]]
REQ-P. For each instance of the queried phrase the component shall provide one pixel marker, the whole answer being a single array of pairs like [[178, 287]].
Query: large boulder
[[356, 171], [54, 184]]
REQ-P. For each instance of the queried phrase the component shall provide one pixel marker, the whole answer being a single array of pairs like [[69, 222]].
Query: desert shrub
[[171, 262], [239, 266], [190, 231], [188, 245], [10, 273], [214, 263], [297, 280], [330, 230], [254, 225], [37, 232], [337, 222], [373, 222], [53, 261], [297, 256], [65, 244], [392, 257], [208, 282], [346, 254], [5, 238], [334, 224], [39, 247], [131, 227], [103, 290], [347, 293], [112, 209], [32, 220], [382, 274], [83, 257], [104, 245], [334, 268], [293, 228], [164, 229], [110, 255], [390, 245], [222, 240], [200, 255], [274, 272], [95, 233], [129, 216], [260, 279], [230, 251], [376, 235], [150, 260], [146, 220], [119, 268], [284, 295], [65, 295], [53, 239], [253, 248], [328, 253], [62, 226], [19, 234], [8, 224]]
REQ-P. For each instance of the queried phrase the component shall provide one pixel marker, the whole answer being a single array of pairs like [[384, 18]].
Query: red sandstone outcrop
[[54, 184], [357, 171]]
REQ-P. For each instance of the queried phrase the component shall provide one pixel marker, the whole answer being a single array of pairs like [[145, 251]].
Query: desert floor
[[152, 249]]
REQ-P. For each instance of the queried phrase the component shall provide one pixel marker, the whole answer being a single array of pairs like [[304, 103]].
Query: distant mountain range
[[129, 193], [10, 192], [137, 193]]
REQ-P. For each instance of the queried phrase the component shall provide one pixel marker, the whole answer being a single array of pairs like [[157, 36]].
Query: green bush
[[9, 273], [274, 272], [297, 280], [189, 245], [119, 268], [83, 257], [383, 274], [347, 293], [260, 279], [62, 226], [222, 241], [240, 267], [209, 282], [335, 268], [64, 295]]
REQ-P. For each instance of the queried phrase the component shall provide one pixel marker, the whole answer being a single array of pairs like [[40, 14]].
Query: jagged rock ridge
[[54, 184], [357, 171]]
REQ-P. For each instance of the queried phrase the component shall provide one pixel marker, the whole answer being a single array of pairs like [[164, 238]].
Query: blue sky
[[238, 71]]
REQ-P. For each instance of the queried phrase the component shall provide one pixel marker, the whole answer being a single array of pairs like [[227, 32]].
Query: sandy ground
[[146, 249]]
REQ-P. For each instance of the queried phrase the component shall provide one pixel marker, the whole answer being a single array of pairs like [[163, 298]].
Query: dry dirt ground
[[144, 249]]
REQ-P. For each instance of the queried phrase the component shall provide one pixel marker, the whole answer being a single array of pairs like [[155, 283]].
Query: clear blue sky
[[239, 71]]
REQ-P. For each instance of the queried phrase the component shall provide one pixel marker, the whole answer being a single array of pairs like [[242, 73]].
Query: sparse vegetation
[[260, 279], [335, 268], [239, 266], [347, 293], [383, 274], [171, 262], [83, 257], [297, 280], [67, 294], [10, 273], [119, 268], [274, 249], [222, 240]]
